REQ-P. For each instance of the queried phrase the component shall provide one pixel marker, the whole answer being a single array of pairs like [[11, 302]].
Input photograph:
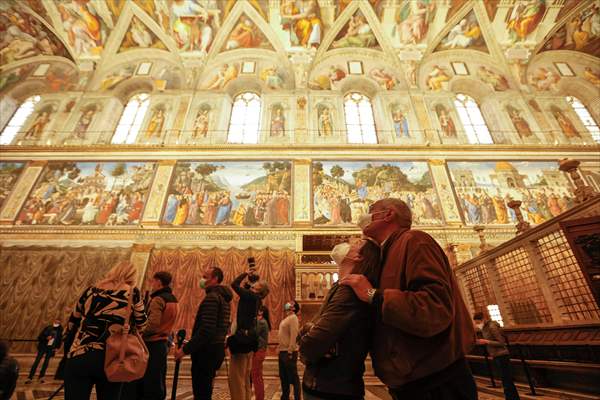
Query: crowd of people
[[396, 298]]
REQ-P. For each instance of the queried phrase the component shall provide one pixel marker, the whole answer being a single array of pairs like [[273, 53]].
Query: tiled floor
[[37, 391]]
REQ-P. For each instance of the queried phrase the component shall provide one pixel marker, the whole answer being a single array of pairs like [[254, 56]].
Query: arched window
[[472, 120], [360, 124], [131, 119], [585, 117], [245, 119], [18, 119]]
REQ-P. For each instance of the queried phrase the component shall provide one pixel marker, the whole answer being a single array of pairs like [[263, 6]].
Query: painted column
[[441, 180], [140, 258], [19, 193], [302, 192], [158, 193]]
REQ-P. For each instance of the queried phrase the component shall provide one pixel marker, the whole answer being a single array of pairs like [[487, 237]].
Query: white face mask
[[364, 221]]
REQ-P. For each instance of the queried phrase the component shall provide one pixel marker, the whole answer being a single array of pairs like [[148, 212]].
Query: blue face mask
[[203, 283], [287, 306]]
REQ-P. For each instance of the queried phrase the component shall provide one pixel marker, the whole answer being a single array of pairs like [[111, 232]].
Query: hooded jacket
[[212, 319], [162, 313]]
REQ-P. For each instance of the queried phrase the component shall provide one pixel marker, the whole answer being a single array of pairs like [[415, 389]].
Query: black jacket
[[9, 372], [50, 330], [247, 306], [335, 346], [212, 319]]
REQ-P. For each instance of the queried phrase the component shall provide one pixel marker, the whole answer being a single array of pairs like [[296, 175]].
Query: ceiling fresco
[[209, 33]]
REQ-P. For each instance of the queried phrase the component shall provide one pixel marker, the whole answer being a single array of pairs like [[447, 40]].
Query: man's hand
[[179, 354], [360, 284]]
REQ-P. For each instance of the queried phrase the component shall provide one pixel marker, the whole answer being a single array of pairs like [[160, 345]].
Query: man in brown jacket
[[423, 329], [162, 313]]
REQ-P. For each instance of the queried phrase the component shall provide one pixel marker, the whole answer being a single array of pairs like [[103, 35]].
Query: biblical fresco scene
[[27, 38], [356, 33], [9, 173], [484, 190], [465, 35], [252, 193], [344, 190], [580, 33], [88, 193], [412, 22]]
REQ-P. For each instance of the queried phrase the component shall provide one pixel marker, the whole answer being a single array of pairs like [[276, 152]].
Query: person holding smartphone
[[244, 340]]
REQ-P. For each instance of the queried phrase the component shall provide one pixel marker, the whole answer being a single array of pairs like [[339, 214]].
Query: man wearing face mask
[[288, 351], [423, 329], [207, 344]]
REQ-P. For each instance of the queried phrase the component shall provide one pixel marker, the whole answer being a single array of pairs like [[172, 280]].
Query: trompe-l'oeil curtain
[[39, 284], [187, 266]]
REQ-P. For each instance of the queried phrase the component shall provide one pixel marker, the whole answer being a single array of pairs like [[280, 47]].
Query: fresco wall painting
[[412, 22], [230, 193], [344, 190], [301, 22], [88, 193], [485, 188]]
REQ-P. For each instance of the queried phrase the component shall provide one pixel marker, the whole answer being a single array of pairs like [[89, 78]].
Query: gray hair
[[400, 208]]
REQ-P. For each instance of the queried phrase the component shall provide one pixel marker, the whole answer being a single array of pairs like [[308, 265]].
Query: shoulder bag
[[126, 355]]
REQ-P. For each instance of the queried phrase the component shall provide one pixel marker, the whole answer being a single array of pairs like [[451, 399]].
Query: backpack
[[126, 356]]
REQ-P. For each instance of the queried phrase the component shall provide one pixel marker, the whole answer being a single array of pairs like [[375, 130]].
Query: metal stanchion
[[527, 373], [180, 339]]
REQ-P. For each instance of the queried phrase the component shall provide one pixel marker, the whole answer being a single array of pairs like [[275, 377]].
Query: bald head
[[398, 207]]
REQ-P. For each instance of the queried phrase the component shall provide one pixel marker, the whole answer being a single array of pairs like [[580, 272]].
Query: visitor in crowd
[[496, 346], [334, 346], [162, 312], [423, 329], [9, 372], [207, 343], [288, 351], [49, 340], [101, 310], [263, 327], [244, 340]]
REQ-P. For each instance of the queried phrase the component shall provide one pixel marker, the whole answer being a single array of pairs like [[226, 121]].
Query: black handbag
[[243, 341]]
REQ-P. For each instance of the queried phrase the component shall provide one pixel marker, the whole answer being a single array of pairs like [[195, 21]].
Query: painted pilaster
[[441, 180], [158, 193], [19, 193], [302, 191], [140, 258]]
